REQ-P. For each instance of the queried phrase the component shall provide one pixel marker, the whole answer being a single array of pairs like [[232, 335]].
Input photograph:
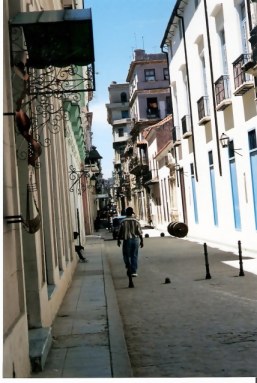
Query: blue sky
[[119, 27]]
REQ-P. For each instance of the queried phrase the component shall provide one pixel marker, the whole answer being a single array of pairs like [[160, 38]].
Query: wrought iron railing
[[222, 89], [186, 124], [42, 94], [138, 165], [203, 107], [240, 77]]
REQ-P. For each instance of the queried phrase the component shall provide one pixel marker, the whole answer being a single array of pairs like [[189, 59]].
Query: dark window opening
[[252, 140], [152, 107], [121, 132], [168, 105], [210, 155], [125, 114], [123, 97], [166, 74], [192, 171], [231, 151]]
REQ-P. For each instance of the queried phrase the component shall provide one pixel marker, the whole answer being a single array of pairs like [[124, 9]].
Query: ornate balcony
[[242, 80], [138, 166], [203, 110], [222, 91]]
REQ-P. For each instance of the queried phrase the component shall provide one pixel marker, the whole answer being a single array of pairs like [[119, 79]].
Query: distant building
[[118, 116], [149, 102], [148, 78]]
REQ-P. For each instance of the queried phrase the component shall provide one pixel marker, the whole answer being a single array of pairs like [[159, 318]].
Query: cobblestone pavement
[[193, 326]]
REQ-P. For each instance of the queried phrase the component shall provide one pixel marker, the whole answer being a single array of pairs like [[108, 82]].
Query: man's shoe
[[83, 260], [134, 275]]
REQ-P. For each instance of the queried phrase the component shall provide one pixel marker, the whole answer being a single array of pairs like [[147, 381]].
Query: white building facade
[[208, 45]]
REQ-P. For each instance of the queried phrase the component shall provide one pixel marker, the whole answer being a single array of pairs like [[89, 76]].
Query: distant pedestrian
[[80, 250], [131, 233], [97, 223]]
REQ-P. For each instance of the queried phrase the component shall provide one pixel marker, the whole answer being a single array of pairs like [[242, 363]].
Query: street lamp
[[226, 143], [224, 140]]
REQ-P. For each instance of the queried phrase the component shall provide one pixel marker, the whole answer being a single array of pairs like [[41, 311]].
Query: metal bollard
[[241, 272], [208, 275]]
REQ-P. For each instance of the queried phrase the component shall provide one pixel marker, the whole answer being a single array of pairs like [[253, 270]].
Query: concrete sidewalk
[[88, 338]]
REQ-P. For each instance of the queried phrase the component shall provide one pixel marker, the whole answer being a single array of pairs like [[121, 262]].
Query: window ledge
[[243, 88], [223, 104], [204, 120], [187, 134]]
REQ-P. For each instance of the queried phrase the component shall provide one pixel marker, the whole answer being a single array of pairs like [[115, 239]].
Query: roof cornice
[[177, 10]]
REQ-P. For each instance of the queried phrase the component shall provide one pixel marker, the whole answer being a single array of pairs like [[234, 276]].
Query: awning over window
[[57, 38]]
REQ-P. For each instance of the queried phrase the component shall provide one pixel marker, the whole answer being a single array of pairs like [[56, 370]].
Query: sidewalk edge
[[121, 366]]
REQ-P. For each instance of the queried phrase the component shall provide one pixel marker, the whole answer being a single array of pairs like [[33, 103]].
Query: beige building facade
[[40, 211]]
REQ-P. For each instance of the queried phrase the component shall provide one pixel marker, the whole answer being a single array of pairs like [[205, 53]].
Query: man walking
[[130, 232]]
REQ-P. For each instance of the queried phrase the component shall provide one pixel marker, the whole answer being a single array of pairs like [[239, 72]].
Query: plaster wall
[[37, 268], [236, 121], [15, 327]]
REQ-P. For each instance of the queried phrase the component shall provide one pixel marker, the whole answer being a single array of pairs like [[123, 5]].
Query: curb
[[120, 362]]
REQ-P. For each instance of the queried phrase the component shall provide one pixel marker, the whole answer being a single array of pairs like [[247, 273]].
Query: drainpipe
[[213, 90], [189, 94]]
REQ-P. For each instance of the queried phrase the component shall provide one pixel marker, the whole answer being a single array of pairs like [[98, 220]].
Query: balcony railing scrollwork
[[46, 75]]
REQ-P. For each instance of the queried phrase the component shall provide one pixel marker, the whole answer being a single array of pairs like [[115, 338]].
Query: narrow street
[[193, 326]]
